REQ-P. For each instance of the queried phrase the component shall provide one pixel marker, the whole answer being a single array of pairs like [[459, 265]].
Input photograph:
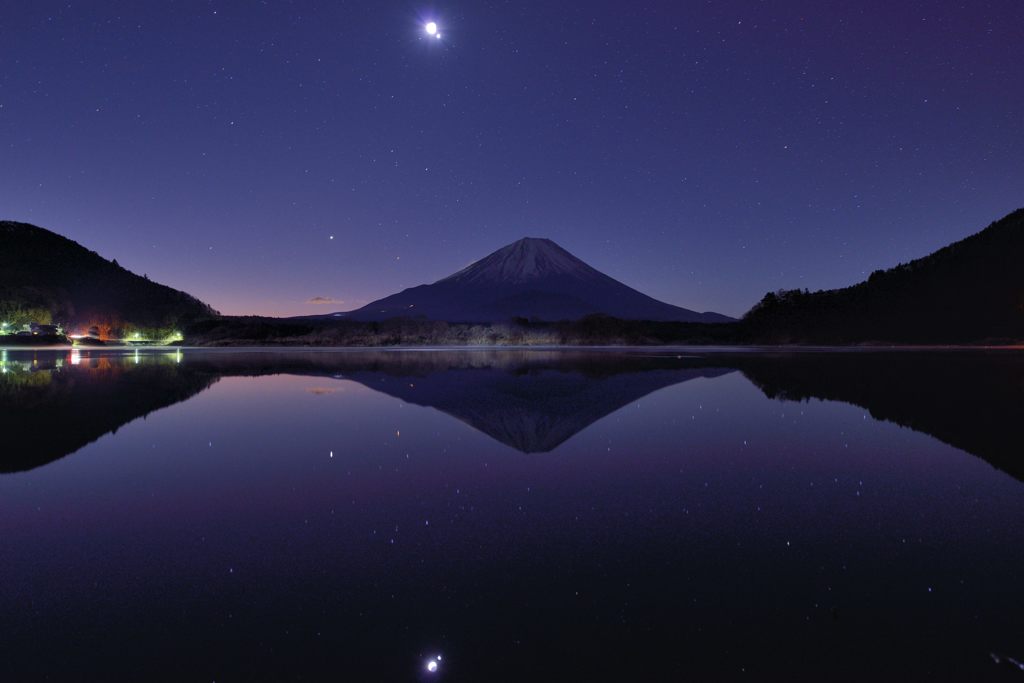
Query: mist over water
[[527, 515]]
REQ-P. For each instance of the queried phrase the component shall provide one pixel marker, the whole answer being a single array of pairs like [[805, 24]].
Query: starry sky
[[266, 155]]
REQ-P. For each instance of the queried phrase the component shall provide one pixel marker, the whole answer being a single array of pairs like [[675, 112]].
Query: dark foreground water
[[511, 516]]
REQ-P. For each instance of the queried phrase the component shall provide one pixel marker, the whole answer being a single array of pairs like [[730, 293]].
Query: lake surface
[[654, 515]]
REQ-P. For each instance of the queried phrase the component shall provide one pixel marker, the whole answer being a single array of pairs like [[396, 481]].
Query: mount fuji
[[532, 278]]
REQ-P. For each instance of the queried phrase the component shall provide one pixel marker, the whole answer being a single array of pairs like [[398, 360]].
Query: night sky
[[702, 152]]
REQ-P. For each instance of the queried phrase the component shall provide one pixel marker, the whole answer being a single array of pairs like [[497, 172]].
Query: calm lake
[[481, 515]]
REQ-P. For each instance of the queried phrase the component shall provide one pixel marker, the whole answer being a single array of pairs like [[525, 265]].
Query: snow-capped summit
[[531, 258]]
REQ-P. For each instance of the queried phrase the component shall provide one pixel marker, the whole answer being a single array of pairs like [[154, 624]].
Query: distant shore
[[659, 348], [592, 332]]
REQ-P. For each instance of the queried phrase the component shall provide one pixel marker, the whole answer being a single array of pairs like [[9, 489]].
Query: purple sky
[[704, 153]]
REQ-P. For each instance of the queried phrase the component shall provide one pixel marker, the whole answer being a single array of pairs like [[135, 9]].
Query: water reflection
[[696, 516], [532, 401]]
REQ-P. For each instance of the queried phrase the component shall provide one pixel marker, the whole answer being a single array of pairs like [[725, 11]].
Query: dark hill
[[534, 279], [970, 291], [44, 275]]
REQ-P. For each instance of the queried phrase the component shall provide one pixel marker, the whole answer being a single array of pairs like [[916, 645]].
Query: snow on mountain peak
[[531, 258]]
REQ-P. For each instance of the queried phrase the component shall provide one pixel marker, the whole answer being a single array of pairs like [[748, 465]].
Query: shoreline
[[707, 348]]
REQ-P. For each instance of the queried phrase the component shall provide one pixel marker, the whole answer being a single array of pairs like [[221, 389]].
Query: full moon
[[431, 28]]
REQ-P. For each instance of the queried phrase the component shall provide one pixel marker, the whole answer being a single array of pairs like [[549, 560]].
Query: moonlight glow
[[431, 28]]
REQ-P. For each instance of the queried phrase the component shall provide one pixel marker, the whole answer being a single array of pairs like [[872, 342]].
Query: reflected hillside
[[54, 404], [529, 400], [973, 401]]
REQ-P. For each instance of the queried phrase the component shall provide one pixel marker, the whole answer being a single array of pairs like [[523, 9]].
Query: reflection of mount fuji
[[529, 400], [533, 410]]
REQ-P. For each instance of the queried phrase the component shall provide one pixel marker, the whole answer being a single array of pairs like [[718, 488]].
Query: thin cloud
[[324, 300]]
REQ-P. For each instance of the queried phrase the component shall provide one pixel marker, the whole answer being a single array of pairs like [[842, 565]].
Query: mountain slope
[[971, 290], [45, 275], [532, 278]]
